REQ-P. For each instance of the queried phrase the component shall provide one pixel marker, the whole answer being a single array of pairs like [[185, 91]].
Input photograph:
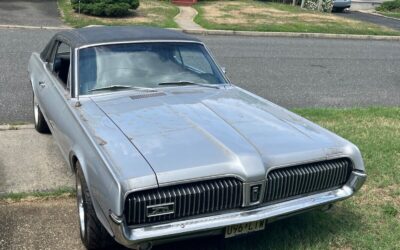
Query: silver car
[[165, 147], [341, 5]]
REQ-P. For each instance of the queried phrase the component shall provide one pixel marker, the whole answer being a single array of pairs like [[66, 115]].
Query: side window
[[61, 63], [195, 59]]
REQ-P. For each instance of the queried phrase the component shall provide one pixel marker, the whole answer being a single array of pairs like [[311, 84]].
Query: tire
[[40, 123], [93, 234], [338, 9]]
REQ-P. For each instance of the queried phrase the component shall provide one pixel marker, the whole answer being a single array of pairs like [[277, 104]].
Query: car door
[[54, 93]]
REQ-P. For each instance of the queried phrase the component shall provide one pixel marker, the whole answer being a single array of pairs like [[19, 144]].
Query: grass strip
[[62, 191]]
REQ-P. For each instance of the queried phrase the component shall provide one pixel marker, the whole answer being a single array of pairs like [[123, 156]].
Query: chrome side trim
[[133, 237]]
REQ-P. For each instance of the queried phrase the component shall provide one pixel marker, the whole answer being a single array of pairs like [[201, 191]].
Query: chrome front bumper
[[154, 233]]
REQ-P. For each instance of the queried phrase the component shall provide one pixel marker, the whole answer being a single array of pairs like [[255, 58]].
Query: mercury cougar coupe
[[165, 147]]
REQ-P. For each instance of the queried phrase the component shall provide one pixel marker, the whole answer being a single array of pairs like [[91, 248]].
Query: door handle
[[42, 84]]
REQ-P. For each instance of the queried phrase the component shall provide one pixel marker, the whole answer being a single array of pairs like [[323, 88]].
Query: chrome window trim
[[76, 73], [137, 41]]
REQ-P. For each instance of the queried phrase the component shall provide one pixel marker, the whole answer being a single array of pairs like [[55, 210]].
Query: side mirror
[[223, 70]]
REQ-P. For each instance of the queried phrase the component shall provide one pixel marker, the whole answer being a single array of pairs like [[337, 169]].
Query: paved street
[[291, 72], [29, 12], [16, 46], [313, 72]]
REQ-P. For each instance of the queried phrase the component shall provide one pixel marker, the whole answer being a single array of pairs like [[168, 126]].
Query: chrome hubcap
[[81, 210], [35, 110]]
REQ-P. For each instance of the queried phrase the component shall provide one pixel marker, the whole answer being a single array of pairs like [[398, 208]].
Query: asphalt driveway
[[365, 17], [53, 224], [30, 13]]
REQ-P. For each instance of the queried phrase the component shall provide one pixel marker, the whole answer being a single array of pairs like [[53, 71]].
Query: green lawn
[[150, 13], [249, 15], [390, 14], [390, 8]]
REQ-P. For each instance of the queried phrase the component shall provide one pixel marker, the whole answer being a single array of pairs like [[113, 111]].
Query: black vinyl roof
[[107, 34]]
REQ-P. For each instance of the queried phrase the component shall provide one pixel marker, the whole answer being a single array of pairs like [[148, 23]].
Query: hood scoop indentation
[[146, 95]]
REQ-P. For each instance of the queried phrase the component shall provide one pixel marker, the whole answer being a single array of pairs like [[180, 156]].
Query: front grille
[[284, 183], [189, 199]]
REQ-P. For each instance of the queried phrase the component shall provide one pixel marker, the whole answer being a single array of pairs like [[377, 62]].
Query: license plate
[[244, 228]]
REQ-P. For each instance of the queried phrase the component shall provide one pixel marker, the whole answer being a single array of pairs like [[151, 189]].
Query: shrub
[[389, 6], [327, 5], [111, 8]]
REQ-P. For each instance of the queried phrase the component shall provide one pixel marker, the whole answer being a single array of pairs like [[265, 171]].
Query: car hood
[[189, 133]]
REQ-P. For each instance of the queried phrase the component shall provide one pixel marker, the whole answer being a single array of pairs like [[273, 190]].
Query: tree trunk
[[294, 3], [319, 5], [302, 3]]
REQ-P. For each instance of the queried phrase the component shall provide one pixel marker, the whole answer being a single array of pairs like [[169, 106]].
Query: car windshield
[[145, 65]]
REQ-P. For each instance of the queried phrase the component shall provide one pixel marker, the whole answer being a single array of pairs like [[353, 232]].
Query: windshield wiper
[[183, 83], [117, 87]]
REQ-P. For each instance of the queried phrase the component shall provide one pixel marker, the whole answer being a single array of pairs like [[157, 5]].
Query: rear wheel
[[40, 122], [93, 234]]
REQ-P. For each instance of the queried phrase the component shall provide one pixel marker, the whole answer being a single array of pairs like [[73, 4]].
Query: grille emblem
[[160, 209], [255, 192]]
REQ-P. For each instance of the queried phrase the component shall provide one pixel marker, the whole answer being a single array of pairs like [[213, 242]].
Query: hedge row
[[109, 8], [390, 6]]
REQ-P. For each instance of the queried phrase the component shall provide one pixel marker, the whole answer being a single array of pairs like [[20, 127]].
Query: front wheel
[[93, 234], [40, 122]]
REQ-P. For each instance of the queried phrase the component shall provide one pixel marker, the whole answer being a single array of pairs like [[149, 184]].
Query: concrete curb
[[4, 127], [289, 34], [11, 26]]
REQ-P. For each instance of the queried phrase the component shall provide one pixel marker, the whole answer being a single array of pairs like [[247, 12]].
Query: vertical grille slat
[[189, 200], [288, 182]]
